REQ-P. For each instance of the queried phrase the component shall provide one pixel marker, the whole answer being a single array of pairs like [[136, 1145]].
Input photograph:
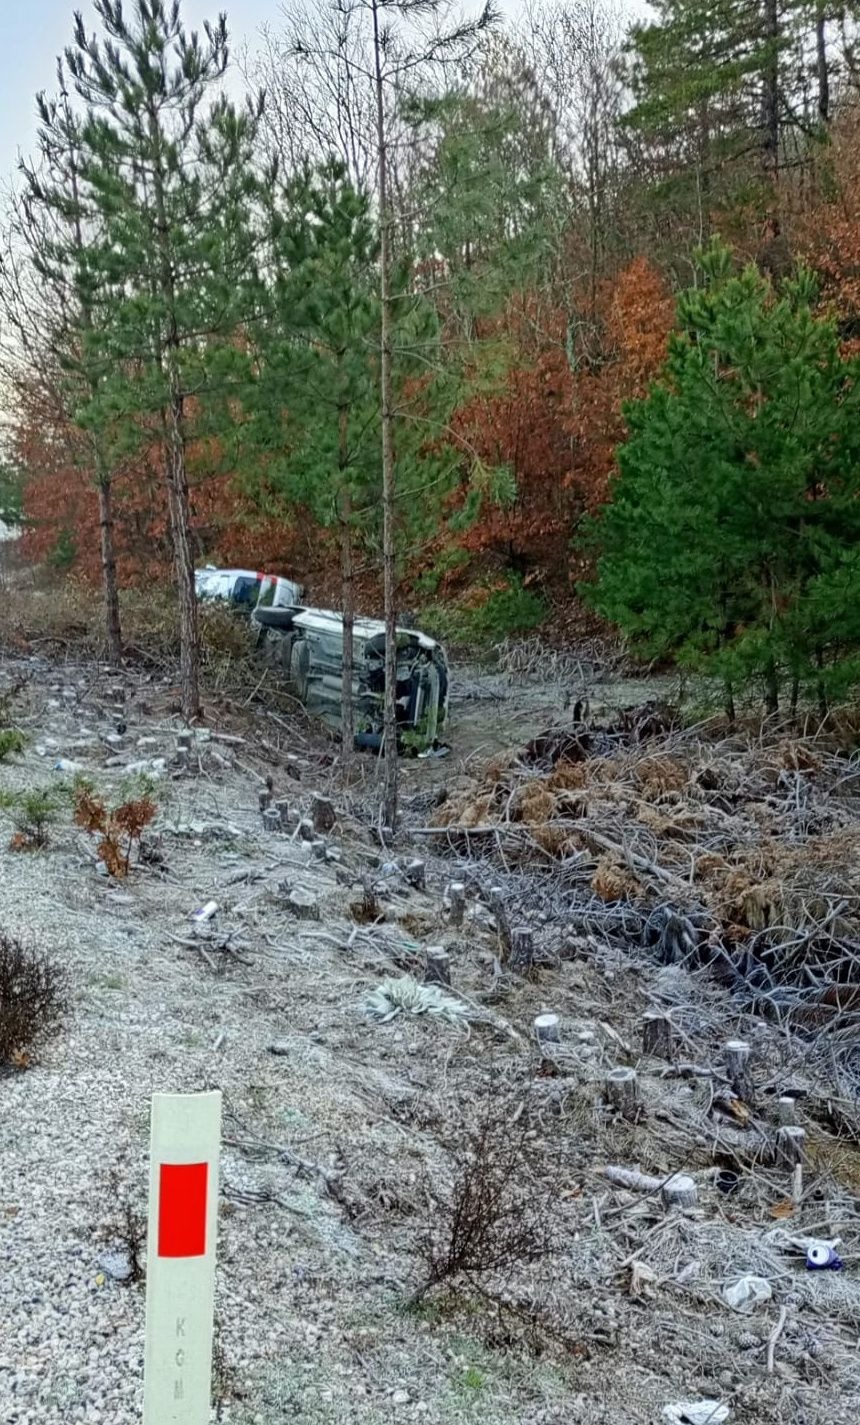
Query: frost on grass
[[406, 996]]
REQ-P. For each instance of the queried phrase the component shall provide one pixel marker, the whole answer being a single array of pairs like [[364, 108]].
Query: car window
[[245, 591]]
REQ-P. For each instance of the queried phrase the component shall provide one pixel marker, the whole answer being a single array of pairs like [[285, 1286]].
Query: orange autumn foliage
[[61, 507], [557, 418], [829, 233], [552, 415]]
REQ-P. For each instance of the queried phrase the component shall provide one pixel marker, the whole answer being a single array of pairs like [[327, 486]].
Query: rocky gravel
[[326, 1124]]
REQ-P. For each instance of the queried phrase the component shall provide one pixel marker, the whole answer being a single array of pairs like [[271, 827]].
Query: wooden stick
[[790, 1145], [522, 951], [631, 1178], [415, 874], [679, 1191], [774, 1337], [787, 1111], [455, 895], [437, 967], [622, 1091], [657, 1035], [546, 1029], [497, 906]]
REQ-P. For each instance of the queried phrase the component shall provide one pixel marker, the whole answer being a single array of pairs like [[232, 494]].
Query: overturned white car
[[247, 589], [306, 646]]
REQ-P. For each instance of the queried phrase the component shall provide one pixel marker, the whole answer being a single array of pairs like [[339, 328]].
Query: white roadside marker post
[[180, 1258]]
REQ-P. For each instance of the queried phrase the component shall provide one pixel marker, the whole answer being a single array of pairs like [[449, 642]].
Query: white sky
[[34, 32]]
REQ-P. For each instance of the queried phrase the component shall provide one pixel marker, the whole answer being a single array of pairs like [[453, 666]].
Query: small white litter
[[149, 767], [696, 1412], [747, 1293]]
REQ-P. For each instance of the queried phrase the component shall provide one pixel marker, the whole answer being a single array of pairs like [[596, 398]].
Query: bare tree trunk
[[821, 64], [180, 524], [771, 686], [113, 629], [176, 468], [347, 711], [389, 805], [770, 93]]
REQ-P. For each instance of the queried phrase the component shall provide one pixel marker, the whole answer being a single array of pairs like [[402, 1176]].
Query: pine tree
[[721, 103], [52, 227], [171, 183], [404, 38], [311, 436], [736, 502], [314, 411], [489, 194]]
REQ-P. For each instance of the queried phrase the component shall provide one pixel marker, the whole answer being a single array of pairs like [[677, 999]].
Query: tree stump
[[272, 819], [265, 799], [790, 1146], [303, 904], [622, 1091], [546, 1029], [522, 951], [306, 829], [323, 814], [415, 874], [282, 807], [180, 760], [437, 967], [736, 1056], [786, 1110], [679, 1191], [184, 741], [496, 899], [657, 1035], [455, 895]]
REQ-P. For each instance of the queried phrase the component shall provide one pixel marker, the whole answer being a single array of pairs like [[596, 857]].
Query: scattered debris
[[820, 1257], [301, 903], [696, 1412], [115, 1265], [747, 1293]]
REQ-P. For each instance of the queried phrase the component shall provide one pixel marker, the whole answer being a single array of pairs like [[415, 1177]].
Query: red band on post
[[182, 1209]]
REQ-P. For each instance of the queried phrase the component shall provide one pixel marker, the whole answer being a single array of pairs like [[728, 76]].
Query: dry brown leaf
[[783, 1209]]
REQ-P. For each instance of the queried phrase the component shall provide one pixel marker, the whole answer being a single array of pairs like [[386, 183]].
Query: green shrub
[[514, 609], [32, 813], [11, 740], [487, 615], [64, 552], [447, 562]]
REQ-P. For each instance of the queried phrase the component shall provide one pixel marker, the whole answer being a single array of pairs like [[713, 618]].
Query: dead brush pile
[[750, 843]]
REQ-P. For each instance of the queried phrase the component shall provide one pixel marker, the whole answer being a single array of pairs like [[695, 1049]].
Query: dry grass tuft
[[33, 1000]]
